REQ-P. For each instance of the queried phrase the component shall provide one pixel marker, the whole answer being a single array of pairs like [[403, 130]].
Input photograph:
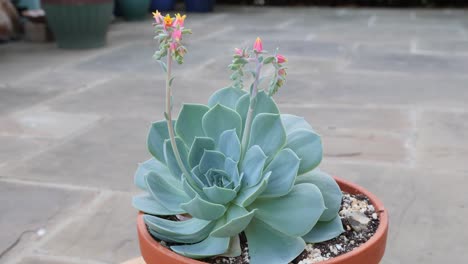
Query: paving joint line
[[457, 110], [61, 186], [410, 143], [64, 259]]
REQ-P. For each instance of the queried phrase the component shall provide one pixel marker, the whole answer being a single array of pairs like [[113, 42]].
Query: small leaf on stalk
[[268, 60], [163, 65]]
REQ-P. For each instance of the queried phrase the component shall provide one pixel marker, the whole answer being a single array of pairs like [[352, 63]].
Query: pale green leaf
[[189, 122], [219, 195], [308, 147], [267, 245], [268, 133], [234, 222], [157, 135], [331, 192], [190, 190], [229, 144], [200, 144], [247, 196], [211, 159], [219, 119], [147, 204], [202, 209], [252, 166], [165, 193], [264, 104], [198, 178], [147, 166], [294, 214], [230, 166], [211, 246], [171, 159], [234, 249], [226, 96], [292, 123], [324, 231], [189, 231], [283, 169]]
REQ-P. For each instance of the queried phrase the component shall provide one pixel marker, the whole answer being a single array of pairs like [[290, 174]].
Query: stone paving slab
[[376, 88], [128, 95], [16, 149], [419, 204], [374, 60], [443, 141], [364, 134], [107, 234], [42, 123], [106, 156], [59, 81], [17, 98], [28, 210], [454, 48], [23, 60]]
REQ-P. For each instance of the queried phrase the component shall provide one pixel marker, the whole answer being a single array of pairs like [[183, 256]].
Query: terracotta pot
[[369, 253]]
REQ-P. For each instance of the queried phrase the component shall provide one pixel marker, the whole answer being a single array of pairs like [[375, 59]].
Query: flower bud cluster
[[280, 74], [169, 31], [243, 56]]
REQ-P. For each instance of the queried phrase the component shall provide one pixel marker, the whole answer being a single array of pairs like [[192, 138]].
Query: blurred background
[[385, 82]]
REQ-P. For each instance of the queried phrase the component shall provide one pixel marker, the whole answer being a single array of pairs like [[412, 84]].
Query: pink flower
[[238, 52], [168, 21], [258, 45], [173, 46], [282, 73], [280, 58], [176, 35], [157, 17], [180, 20]]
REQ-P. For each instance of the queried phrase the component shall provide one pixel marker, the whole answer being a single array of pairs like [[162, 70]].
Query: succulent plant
[[236, 165], [260, 194]]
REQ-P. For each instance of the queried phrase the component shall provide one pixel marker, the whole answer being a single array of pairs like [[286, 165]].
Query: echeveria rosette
[[273, 192]]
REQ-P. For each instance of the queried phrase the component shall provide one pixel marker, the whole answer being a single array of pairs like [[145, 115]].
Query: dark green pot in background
[[134, 10], [79, 24]]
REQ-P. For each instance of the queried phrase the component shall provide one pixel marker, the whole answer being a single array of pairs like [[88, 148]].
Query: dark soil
[[346, 242]]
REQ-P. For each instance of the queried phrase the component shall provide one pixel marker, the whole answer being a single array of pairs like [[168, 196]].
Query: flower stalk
[[250, 113], [170, 126], [169, 32]]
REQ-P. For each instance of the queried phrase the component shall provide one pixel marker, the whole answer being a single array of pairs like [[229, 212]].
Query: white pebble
[[41, 232]]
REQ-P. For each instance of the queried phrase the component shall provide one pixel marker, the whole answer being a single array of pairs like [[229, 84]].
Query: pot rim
[[350, 187]]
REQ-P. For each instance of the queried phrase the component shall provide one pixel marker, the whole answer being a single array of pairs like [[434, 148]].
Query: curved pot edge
[[375, 246], [377, 242]]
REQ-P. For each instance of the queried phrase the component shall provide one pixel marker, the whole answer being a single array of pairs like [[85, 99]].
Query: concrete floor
[[387, 89]]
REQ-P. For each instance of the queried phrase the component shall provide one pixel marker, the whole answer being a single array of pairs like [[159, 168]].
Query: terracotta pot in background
[[369, 253]]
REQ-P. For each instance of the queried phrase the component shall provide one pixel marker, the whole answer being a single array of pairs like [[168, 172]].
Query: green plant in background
[[235, 165]]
